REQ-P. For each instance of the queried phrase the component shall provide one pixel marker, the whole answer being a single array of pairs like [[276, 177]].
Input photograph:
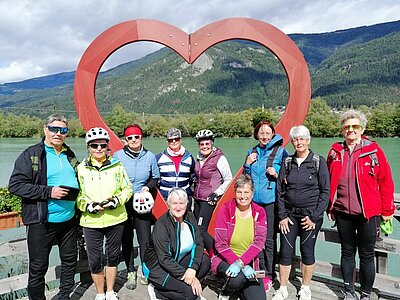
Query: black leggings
[[142, 223], [94, 238], [249, 289], [357, 232], [307, 243], [177, 289], [203, 213]]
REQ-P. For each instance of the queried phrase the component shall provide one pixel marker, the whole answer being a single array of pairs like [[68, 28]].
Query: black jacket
[[303, 187], [29, 181], [161, 255]]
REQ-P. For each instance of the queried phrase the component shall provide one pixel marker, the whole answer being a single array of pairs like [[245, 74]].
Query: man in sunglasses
[[44, 176], [176, 166]]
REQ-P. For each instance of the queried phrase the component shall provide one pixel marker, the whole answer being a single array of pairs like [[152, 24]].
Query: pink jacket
[[224, 227]]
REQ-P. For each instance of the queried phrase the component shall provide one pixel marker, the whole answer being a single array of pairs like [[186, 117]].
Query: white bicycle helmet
[[96, 133], [143, 202], [205, 134]]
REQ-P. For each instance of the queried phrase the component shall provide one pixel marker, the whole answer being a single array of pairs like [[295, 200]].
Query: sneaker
[[365, 297], [267, 283], [280, 294], [304, 293], [131, 281], [152, 293], [100, 297], [350, 296], [143, 280], [223, 297], [111, 296]]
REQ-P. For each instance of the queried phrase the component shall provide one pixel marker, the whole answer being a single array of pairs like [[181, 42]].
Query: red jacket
[[374, 178], [224, 227]]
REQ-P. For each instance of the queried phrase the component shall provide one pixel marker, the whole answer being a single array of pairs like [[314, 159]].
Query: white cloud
[[40, 37]]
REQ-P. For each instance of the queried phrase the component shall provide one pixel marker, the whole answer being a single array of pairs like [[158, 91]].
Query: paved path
[[324, 289]]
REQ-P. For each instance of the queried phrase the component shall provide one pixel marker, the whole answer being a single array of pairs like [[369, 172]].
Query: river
[[235, 150]]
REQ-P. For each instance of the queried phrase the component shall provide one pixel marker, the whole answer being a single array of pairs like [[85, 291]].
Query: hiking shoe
[[350, 296], [100, 297], [111, 296], [365, 297], [280, 294], [143, 280], [131, 281], [152, 293], [267, 283], [304, 293]]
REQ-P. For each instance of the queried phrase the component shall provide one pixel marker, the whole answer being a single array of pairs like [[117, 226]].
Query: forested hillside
[[348, 68]]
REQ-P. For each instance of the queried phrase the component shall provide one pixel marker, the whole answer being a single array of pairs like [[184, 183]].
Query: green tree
[[320, 120]]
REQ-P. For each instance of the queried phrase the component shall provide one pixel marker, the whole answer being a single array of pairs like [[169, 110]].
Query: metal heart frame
[[190, 47]]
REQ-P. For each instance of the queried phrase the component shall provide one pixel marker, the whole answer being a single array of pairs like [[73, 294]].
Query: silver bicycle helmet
[[96, 133], [205, 134]]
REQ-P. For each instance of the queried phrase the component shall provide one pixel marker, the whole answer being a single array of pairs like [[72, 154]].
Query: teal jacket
[[264, 187]]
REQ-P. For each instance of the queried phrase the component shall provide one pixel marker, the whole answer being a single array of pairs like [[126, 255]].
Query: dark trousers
[[270, 250], [249, 289], [94, 238], [41, 238], [357, 232], [203, 213], [307, 242], [142, 223], [174, 288]]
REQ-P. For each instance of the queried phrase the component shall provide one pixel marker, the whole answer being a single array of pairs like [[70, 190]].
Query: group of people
[[277, 193]]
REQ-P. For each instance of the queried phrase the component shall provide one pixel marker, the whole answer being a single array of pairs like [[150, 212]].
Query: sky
[[42, 37]]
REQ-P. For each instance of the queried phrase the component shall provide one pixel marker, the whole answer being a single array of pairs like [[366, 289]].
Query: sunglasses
[[352, 127], [173, 140], [96, 146], [205, 144], [131, 137], [55, 129]]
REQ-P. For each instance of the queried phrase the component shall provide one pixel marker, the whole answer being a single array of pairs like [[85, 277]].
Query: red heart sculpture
[[190, 47]]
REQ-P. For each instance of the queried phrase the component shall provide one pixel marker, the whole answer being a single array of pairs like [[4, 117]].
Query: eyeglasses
[[55, 129], [131, 137], [352, 127], [96, 146], [173, 140], [205, 144]]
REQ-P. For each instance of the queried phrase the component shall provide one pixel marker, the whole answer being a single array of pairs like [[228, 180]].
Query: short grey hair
[[353, 114], [55, 117], [181, 193], [242, 180], [300, 131]]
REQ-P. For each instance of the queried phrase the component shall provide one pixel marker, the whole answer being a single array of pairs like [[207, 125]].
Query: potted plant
[[10, 209]]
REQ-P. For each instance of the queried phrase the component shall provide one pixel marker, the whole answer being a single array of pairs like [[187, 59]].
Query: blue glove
[[248, 272], [233, 270]]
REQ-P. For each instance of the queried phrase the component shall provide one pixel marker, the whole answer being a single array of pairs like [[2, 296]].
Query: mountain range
[[358, 66]]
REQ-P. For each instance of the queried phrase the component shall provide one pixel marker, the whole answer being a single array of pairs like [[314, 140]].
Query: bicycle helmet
[[96, 133], [204, 134], [143, 202]]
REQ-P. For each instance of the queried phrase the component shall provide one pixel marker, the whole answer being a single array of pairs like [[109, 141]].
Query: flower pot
[[10, 220]]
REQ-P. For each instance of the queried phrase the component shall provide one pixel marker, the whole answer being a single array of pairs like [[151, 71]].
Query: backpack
[[270, 160], [288, 164]]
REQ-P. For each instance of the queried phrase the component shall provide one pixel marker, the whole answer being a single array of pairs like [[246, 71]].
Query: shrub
[[8, 201]]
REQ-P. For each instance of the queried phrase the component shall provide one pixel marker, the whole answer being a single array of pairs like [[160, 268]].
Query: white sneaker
[[100, 297], [152, 293], [111, 296], [223, 297], [280, 294], [304, 293]]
